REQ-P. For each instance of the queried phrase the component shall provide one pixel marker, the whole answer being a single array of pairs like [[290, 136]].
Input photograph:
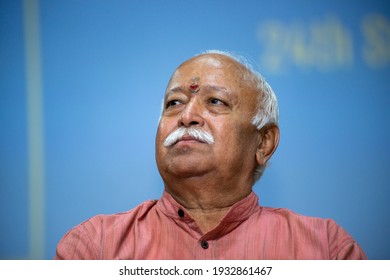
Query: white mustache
[[196, 133]]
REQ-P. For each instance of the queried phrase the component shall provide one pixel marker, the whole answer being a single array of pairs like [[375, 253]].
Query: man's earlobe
[[268, 142]]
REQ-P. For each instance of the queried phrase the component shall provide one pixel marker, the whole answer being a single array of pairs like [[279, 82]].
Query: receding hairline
[[220, 57], [225, 60]]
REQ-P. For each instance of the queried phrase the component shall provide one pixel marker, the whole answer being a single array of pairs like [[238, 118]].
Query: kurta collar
[[238, 213]]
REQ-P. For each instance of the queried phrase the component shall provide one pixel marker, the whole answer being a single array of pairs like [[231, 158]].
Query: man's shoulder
[[84, 241], [99, 222], [311, 232], [290, 216], [137, 212]]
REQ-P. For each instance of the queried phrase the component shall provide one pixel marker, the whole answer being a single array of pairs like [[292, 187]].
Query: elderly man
[[218, 129]]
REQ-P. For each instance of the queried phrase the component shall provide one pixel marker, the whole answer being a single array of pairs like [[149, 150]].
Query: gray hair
[[268, 110]]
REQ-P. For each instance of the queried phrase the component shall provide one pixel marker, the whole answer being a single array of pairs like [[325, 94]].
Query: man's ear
[[268, 142]]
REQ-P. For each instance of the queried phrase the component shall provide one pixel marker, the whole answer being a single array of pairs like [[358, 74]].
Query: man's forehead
[[205, 68], [210, 61], [207, 82], [213, 72], [204, 87], [206, 59]]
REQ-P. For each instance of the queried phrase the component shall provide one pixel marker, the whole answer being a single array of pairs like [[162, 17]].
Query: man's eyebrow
[[206, 88], [175, 89]]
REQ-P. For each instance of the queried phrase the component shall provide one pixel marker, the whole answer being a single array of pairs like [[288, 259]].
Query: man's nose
[[192, 114]]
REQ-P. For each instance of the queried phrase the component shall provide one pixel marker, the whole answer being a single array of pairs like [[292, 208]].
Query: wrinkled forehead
[[210, 69]]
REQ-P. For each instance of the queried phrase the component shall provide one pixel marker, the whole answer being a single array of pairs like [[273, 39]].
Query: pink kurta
[[163, 229]]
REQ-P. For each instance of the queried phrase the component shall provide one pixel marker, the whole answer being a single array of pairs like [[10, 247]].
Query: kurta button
[[180, 212], [204, 244]]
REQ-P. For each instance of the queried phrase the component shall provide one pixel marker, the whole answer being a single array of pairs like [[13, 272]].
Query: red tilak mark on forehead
[[194, 87]]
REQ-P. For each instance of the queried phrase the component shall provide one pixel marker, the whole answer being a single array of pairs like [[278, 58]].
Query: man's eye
[[172, 103], [216, 101]]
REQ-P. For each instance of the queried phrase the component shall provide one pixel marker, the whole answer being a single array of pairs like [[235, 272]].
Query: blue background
[[105, 65]]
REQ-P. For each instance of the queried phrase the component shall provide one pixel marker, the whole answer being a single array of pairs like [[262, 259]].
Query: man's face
[[208, 93]]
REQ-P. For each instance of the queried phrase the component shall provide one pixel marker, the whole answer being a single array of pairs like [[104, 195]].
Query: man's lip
[[188, 138]]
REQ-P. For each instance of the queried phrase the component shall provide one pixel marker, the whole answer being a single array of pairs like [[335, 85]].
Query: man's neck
[[206, 202], [208, 219]]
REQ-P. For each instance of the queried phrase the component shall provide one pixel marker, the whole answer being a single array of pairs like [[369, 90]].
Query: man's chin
[[187, 168]]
